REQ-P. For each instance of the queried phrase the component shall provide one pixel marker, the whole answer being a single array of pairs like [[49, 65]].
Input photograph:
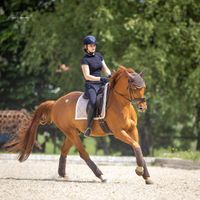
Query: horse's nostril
[[141, 109]]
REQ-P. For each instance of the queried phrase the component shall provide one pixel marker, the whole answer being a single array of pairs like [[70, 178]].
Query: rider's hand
[[104, 80]]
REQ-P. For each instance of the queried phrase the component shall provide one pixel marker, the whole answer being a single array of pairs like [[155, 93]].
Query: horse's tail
[[26, 140]]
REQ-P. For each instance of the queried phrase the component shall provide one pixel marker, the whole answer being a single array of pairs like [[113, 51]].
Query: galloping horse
[[125, 87]]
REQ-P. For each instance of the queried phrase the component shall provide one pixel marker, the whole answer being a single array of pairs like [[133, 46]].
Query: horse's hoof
[[139, 171], [103, 179], [63, 177], [148, 181]]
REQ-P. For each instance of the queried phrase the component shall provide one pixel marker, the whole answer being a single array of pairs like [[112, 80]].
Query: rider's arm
[[86, 73], [105, 69]]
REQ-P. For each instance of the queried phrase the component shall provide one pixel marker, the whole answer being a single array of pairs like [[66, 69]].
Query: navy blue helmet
[[89, 39]]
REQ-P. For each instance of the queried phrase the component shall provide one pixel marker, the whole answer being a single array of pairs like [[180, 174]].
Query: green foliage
[[173, 153], [157, 36]]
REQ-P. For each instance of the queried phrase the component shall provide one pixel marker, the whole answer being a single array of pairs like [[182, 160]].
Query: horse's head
[[130, 85]]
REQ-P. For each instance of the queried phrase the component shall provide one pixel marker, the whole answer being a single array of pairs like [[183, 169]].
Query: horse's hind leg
[[62, 161], [84, 155]]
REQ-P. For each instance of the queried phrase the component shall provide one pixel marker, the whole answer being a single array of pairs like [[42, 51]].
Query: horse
[[125, 87]]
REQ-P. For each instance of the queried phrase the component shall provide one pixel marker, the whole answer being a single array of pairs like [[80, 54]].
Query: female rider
[[92, 64]]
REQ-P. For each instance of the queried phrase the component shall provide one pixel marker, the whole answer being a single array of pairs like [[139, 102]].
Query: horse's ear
[[141, 74], [122, 67], [127, 73]]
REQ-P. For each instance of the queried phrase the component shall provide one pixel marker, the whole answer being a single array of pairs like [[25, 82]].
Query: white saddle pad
[[81, 106]]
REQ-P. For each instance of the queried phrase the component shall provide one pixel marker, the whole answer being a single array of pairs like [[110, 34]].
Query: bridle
[[131, 91], [132, 99], [131, 87]]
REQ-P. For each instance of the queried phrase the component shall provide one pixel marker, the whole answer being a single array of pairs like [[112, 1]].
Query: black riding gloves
[[104, 80]]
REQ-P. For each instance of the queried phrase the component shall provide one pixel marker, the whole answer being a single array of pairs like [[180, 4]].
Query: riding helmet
[[89, 39]]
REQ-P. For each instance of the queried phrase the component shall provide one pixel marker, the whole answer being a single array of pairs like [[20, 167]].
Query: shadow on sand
[[50, 179]]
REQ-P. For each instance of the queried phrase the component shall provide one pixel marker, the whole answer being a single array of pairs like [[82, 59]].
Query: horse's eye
[[130, 80]]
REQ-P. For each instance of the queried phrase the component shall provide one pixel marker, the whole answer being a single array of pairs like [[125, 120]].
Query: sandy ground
[[38, 180]]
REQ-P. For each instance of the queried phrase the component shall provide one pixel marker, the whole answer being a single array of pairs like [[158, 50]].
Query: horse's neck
[[118, 100]]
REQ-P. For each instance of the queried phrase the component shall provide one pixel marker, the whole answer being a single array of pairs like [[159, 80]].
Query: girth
[[102, 122], [104, 126]]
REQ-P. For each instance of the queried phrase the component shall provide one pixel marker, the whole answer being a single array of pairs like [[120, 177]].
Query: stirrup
[[87, 132]]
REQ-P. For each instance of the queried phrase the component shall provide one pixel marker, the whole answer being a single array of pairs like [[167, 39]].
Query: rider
[[92, 64]]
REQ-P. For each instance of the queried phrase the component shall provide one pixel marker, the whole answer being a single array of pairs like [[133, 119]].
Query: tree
[[157, 36]]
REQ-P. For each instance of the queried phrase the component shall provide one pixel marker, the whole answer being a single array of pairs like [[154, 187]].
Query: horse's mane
[[118, 73]]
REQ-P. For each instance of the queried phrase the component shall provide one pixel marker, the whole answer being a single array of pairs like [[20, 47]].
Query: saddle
[[100, 100], [82, 105], [101, 103]]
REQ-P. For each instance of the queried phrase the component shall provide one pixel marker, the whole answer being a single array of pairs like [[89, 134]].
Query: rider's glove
[[104, 80]]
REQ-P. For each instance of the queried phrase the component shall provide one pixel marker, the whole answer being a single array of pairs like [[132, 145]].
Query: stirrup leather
[[87, 132]]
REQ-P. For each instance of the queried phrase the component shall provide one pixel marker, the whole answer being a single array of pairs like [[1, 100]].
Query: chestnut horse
[[125, 87]]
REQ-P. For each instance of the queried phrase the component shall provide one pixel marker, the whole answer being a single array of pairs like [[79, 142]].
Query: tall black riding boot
[[90, 116]]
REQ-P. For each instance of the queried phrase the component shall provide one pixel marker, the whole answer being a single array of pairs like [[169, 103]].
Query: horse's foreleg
[[85, 156], [132, 140], [62, 161], [126, 138], [134, 135]]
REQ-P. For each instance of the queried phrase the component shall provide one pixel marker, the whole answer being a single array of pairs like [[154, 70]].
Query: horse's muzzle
[[142, 107]]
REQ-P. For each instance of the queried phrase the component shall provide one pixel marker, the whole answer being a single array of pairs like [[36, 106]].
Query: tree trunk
[[145, 132], [197, 124]]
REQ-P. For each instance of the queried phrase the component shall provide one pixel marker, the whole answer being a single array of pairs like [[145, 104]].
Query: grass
[[90, 146], [172, 153]]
